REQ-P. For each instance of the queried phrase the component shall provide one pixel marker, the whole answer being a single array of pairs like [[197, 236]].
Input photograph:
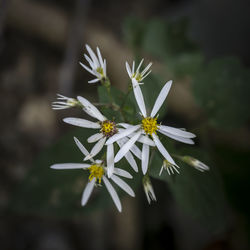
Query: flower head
[[137, 75], [97, 175], [166, 165], [96, 63], [64, 102], [148, 189]]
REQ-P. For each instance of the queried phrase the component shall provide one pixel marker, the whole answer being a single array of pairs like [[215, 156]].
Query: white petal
[[94, 80], [129, 157], [146, 140], [123, 185], [139, 97], [161, 98], [136, 151], [146, 69], [96, 149], [113, 194], [91, 109], [81, 147], [70, 166], [125, 125], [178, 138], [104, 67], [95, 137], [162, 150], [99, 56], [128, 70], [91, 63], [123, 173], [124, 133], [138, 68], [110, 159], [87, 68], [127, 146], [92, 55], [176, 131], [144, 158], [87, 192], [81, 122]]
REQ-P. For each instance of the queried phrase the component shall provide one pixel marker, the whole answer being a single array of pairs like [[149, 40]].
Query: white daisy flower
[[138, 76], [149, 127], [97, 175], [148, 189], [166, 165], [107, 129], [97, 65], [64, 102]]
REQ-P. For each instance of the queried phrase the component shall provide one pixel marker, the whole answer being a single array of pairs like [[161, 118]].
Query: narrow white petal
[[146, 140], [139, 66], [70, 166], [178, 138], [81, 122], [99, 56], [81, 147], [87, 68], [145, 76], [105, 67], [128, 70], [161, 98], [125, 125], [110, 160], [123, 185], [123, 173], [136, 151], [124, 133], [177, 131], [94, 80], [92, 55], [96, 149], [129, 157], [91, 63], [87, 192], [127, 146], [144, 158], [162, 150], [133, 67], [95, 137], [139, 97], [113, 193], [91, 109], [146, 69]]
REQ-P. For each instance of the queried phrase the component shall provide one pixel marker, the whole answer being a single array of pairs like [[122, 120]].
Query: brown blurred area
[[41, 43]]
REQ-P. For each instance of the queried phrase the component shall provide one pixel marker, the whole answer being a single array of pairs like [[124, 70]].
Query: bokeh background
[[202, 45]]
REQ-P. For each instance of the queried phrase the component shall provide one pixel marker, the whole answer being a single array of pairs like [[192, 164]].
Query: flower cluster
[[133, 141]]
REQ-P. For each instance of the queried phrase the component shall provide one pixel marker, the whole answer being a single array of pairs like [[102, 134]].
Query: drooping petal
[[113, 193], [81, 122], [139, 97], [110, 159], [126, 147], [178, 138], [91, 109], [123, 185], [70, 166], [176, 131], [95, 137], [144, 158], [81, 147], [161, 98], [96, 149], [123, 173], [162, 150], [87, 191], [122, 134], [94, 80]]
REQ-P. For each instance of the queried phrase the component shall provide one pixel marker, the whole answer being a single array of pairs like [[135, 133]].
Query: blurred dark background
[[202, 45]]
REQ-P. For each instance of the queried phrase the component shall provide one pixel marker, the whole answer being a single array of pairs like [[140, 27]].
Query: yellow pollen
[[100, 71], [108, 128], [137, 76], [96, 171], [149, 125]]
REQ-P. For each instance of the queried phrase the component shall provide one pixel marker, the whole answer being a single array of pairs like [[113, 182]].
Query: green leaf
[[222, 89]]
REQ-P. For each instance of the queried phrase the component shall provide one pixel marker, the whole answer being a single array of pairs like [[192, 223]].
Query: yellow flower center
[[137, 77], [149, 125], [100, 71], [108, 128], [96, 171]]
